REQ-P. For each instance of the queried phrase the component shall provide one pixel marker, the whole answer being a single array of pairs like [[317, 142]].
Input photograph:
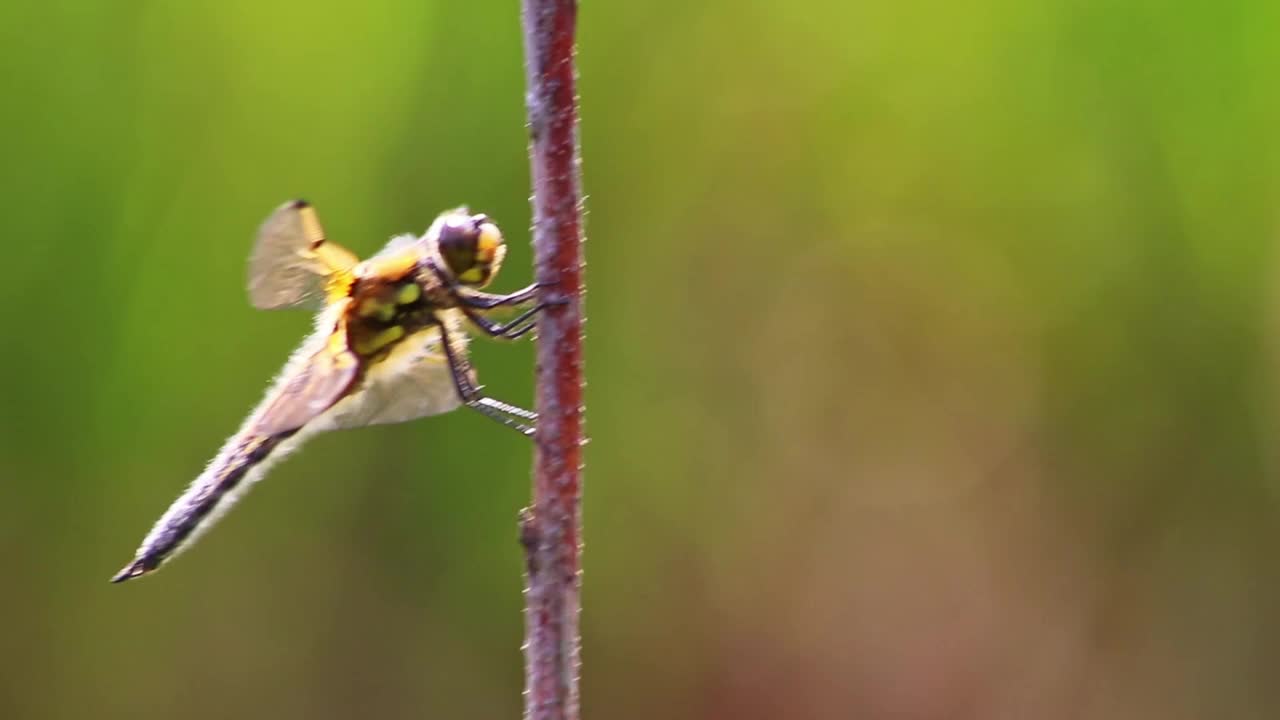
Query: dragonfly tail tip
[[130, 571]]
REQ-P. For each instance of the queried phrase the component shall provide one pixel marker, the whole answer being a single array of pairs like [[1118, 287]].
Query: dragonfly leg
[[487, 301], [508, 409], [509, 415], [513, 328]]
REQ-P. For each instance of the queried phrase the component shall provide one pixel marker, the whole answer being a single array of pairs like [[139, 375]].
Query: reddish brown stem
[[550, 528]]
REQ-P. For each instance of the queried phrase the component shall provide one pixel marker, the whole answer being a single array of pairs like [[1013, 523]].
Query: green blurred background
[[931, 355]]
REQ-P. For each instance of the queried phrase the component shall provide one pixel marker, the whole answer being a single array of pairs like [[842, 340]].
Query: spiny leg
[[497, 410], [508, 409], [513, 328], [487, 301]]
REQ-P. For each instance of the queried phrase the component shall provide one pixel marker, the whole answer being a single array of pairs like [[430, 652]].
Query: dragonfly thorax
[[391, 298]]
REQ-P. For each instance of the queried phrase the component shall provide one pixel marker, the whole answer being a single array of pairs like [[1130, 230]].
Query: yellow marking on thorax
[[382, 303], [376, 308], [371, 344], [381, 306], [390, 287], [408, 294]]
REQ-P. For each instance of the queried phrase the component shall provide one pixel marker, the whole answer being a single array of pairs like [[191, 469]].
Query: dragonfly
[[389, 345]]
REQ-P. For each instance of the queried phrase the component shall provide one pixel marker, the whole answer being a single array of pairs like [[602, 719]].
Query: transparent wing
[[292, 260], [310, 385], [400, 244], [413, 381]]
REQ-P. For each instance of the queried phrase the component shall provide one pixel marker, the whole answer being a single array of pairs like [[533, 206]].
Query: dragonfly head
[[471, 246]]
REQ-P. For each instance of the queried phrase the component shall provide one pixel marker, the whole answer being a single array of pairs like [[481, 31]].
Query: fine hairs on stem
[[550, 528]]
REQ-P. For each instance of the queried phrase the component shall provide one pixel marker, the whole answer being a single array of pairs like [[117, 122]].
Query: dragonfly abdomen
[[243, 460]]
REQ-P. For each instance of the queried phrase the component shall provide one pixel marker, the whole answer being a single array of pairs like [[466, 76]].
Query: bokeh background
[[932, 360]]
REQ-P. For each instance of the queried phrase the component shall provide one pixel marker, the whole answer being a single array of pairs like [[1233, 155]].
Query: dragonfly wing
[[313, 381], [292, 260], [413, 381]]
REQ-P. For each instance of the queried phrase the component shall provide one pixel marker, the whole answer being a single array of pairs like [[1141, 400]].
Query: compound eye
[[458, 241], [471, 246], [489, 252]]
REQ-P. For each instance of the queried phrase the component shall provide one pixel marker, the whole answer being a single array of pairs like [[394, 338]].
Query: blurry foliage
[[931, 360]]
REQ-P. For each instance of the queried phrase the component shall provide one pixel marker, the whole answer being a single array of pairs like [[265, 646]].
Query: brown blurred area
[[931, 361]]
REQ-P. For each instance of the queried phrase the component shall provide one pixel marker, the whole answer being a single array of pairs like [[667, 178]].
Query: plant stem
[[550, 528]]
